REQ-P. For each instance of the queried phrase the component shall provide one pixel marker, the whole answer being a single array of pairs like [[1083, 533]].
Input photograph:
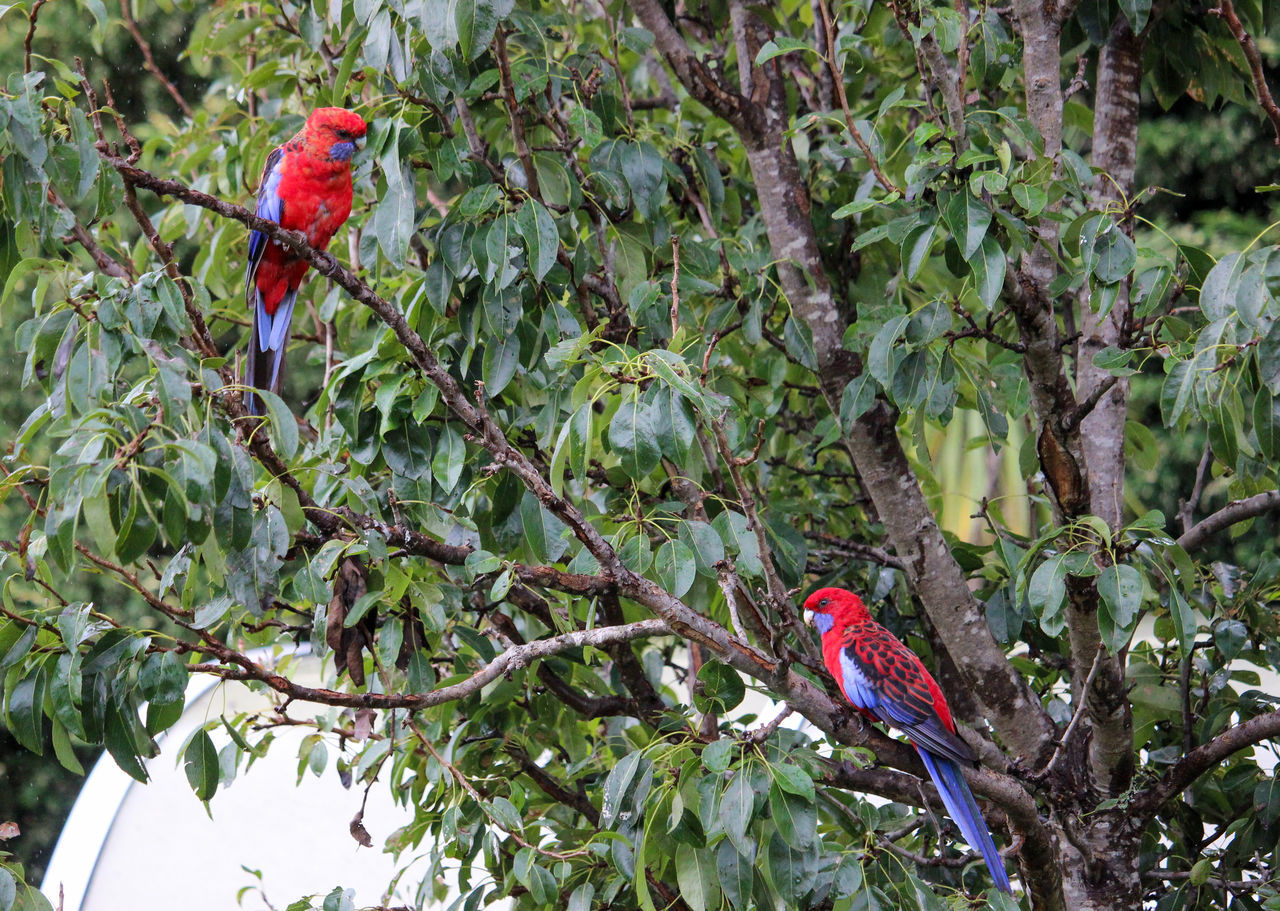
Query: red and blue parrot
[[306, 187], [887, 682]]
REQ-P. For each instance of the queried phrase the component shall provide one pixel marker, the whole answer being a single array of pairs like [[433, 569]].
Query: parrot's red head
[[334, 132], [828, 607]]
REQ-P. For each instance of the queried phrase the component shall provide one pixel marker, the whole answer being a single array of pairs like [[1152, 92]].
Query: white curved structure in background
[[153, 848]]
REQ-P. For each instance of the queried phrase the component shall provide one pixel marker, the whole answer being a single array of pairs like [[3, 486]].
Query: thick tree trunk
[[1107, 879], [1115, 154]]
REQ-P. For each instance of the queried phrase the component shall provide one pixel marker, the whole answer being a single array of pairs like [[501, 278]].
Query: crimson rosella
[[887, 682], [305, 186]]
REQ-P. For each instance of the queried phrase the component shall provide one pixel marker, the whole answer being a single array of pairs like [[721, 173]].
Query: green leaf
[[736, 808], [200, 761], [1137, 12], [796, 818], [793, 780], [799, 341], [1266, 801], [988, 271], [722, 688], [121, 738], [735, 873], [881, 360], [476, 21], [581, 898], [930, 322], [1178, 389], [1269, 358], [543, 532], [740, 541], [676, 567], [717, 755], [778, 46], [672, 423], [451, 453], [8, 889], [1033, 199], [16, 640], [968, 218], [394, 218], [1120, 588], [1184, 620], [1217, 294], [1266, 424], [618, 786], [696, 877], [634, 439], [857, 399], [705, 543], [1113, 254], [500, 362], [23, 714], [1048, 586], [1230, 636], [284, 428], [541, 241], [1115, 361], [789, 871], [916, 247]]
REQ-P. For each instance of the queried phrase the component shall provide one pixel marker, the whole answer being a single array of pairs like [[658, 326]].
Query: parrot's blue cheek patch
[[823, 623], [342, 151]]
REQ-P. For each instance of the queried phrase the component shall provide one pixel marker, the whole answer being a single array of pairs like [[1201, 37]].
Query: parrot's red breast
[[306, 187]]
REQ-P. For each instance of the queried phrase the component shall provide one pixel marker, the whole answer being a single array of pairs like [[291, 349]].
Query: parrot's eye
[[824, 602], [343, 134]]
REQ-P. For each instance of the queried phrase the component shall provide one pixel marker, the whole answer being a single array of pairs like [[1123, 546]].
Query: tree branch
[[512, 659], [699, 81], [1227, 12], [514, 114], [1187, 507], [1200, 760], [1232, 513]]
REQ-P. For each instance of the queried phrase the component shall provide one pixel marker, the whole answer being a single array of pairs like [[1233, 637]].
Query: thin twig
[[515, 115], [1075, 719], [716, 338], [1227, 12], [1081, 411], [675, 284], [506, 662], [484, 803], [31, 34], [764, 732], [1184, 691], [1078, 82], [837, 78], [729, 582], [778, 596], [857, 549], [1187, 508], [149, 61]]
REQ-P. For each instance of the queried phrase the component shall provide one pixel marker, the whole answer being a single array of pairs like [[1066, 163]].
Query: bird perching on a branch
[[887, 682], [306, 187]]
